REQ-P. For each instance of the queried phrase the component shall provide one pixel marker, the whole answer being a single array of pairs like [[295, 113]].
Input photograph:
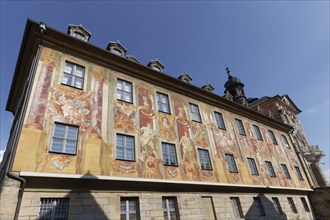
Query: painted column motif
[[97, 106], [40, 98]]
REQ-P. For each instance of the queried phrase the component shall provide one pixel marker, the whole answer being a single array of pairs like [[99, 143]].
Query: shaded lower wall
[[8, 198], [320, 200]]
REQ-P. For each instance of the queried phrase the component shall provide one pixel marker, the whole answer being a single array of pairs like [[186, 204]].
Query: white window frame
[[73, 75], [257, 132], [285, 141], [168, 210], [195, 113], [65, 139], [125, 147], [126, 201], [270, 169], [163, 103], [231, 163], [122, 94], [220, 120], [169, 159], [204, 159], [277, 205], [240, 126], [285, 171], [253, 166], [272, 137]]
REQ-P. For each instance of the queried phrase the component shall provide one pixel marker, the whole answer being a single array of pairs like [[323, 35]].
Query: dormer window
[[156, 65], [208, 87], [185, 77], [117, 48], [79, 32]]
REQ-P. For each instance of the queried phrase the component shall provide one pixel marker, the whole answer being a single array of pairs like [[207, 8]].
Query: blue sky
[[274, 47]]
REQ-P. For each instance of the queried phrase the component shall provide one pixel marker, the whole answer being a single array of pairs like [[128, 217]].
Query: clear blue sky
[[274, 47]]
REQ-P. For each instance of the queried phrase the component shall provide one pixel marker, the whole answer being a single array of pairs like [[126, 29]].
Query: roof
[[62, 42]]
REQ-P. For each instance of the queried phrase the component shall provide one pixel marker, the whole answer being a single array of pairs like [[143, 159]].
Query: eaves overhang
[[62, 42]]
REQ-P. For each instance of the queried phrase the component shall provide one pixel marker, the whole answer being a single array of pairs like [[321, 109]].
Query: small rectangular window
[[231, 163], [73, 75], [124, 91], [163, 103], [169, 154], [270, 168], [170, 208], [220, 120], [253, 166], [292, 205], [259, 207], [277, 205], [65, 138], [257, 132], [303, 201], [54, 208], [204, 159], [194, 112], [285, 171], [240, 127], [272, 137], [285, 141], [300, 177], [125, 149], [237, 208], [129, 208]]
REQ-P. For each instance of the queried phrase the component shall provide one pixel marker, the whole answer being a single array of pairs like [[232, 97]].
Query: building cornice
[[101, 182], [67, 44]]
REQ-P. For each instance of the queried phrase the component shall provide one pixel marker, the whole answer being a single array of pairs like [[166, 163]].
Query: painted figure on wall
[[152, 166], [124, 115], [189, 157], [69, 105], [147, 114], [166, 127], [200, 135], [181, 116]]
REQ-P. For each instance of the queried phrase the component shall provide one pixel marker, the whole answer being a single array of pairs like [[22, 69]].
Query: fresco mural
[[150, 155], [96, 107]]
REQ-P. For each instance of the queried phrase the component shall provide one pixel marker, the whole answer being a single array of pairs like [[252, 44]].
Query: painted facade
[[100, 116]]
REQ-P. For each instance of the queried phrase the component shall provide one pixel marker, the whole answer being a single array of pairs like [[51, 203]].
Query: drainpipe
[[19, 120]]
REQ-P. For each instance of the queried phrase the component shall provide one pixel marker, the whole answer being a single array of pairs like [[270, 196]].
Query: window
[[257, 132], [277, 205], [236, 205], [270, 169], [169, 154], [73, 75], [194, 111], [129, 208], [204, 159], [253, 166], [303, 201], [170, 208], [124, 91], [286, 171], [220, 121], [292, 205], [231, 163], [125, 147], [64, 139], [285, 141], [272, 136], [259, 207], [163, 103], [78, 35], [300, 177], [54, 208], [240, 127]]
